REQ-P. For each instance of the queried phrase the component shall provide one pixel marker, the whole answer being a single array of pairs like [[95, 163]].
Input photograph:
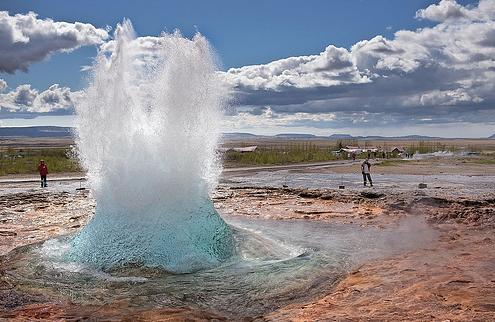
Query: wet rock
[[7, 233], [311, 212], [434, 201], [326, 196], [55, 311], [399, 205], [310, 194], [10, 299], [371, 194], [472, 203], [459, 282]]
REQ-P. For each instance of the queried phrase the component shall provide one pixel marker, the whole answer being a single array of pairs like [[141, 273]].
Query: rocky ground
[[452, 279]]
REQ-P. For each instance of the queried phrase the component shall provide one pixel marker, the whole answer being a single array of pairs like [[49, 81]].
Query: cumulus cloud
[[444, 73], [450, 10], [445, 10], [454, 97], [332, 67], [3, 85], [24, 99], [26, 39], [267, 117]]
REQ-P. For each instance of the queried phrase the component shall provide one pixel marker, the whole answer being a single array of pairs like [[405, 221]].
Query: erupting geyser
[[147, 131]]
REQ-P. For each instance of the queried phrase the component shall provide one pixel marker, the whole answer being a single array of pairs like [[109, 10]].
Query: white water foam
[[147, 129]]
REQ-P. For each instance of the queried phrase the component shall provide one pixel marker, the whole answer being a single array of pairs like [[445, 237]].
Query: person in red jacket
[[43, 169]]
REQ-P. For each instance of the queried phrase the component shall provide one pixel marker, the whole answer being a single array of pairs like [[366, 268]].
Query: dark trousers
[[368, 176], [43, 182]]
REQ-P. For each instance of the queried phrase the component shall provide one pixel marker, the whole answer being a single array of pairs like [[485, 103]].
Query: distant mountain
[[492, 137], [295, 136], [405, 137], [340, 136], [61, 132], [379, 137], [350, 137], [36, 131], [238, 135]]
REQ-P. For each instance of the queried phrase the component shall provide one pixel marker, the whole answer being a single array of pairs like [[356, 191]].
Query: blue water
[[180, 239], [276, 263]]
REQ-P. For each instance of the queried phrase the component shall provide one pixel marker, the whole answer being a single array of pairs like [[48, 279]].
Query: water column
[[147, 128]]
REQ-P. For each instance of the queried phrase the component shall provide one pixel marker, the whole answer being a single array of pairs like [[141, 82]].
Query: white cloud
[[25, 99], [3, 85], [445, 10], [331, 67], [268, 118], [451, 11], [26, 39], [444, 73], [454, 97]]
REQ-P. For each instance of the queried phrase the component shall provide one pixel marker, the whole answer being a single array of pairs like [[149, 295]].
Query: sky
[[362, 67]]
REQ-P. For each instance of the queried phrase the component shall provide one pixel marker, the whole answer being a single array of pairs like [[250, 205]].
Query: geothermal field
[[153, 213], [304, 249]]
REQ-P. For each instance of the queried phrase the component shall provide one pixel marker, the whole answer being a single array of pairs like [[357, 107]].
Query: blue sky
[[258, 33], [242, 32]]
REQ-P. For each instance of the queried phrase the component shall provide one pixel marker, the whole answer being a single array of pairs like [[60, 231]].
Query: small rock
[[310, 194], [371, 194], [459, 282]]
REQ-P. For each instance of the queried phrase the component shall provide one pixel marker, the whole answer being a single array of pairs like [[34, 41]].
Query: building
[[242, 150], [398, 150], [246, 149]]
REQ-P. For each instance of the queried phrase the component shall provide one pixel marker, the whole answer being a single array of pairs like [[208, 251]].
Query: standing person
[[43, 169], [365, 170]]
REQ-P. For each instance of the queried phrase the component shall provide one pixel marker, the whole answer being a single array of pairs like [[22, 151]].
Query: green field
[[291, 153], [25, 161]]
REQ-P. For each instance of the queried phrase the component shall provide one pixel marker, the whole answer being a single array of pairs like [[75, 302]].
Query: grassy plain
[[21, 155], [25, 160]]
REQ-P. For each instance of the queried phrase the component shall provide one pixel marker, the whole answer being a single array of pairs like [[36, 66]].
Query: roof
[[246, 149], [398, 148]]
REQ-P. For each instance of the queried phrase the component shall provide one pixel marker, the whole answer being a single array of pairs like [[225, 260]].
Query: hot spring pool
[[277, 263]]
